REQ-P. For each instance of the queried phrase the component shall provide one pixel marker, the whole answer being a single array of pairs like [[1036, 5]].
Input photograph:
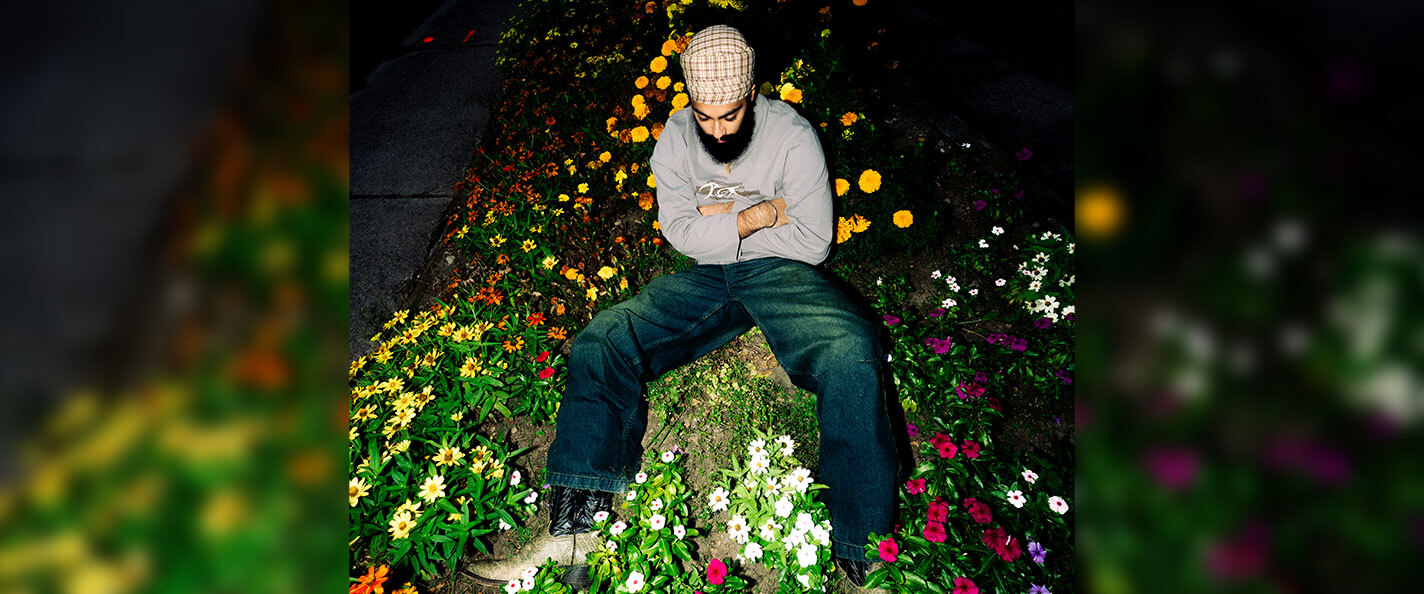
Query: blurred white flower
[[514, 478], [612, 546], [804, 522], [973, 292], [806, 555], [656, 505], [1057, 504], [752, 552], [737, 529], [983, 244], [530, 572], [759, 465], [504, 526], [1035, 285], [631, 495], [768, 530], [1000, 282], [617, 528], [679, 531], [718, 500], [935, 274], [640, 478], [801, 479], [635, 581], [657, 522], [997, 230], [1015, 498], [787, 444], [948, 303], [513, 586], [783, 507], [527, 584], [757, 449], [600, 516], [667, 457], [533, 496], [1030, 476]]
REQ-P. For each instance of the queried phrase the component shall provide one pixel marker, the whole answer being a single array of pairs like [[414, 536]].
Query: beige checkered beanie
[[718, 65]]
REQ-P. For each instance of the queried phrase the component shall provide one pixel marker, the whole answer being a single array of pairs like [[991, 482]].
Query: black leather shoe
[[571, 510], [855, 570]]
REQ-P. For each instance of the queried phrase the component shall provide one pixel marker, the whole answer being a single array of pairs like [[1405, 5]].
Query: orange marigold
[[556, 333], [849, 118], [903, 218], [645, 201], [514, 346], [639, 134]]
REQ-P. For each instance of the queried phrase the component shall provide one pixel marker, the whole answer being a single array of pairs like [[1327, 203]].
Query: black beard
[[735, 145]]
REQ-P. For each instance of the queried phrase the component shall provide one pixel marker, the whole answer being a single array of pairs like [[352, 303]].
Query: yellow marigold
[[680, 100], [571, 273], [658, 64], [678, 86], [640, 83], [605, 156], [639, 99], [640, 134], [903, 218], [641, 111], [869, 181], [849, 118], [645, 202], [652, 182], [583, 188], [663, 82], [842, 186], [669, 47], [843, 230], [790, 94], [656, 226], [606, 272], [610, 123], [859, 224]]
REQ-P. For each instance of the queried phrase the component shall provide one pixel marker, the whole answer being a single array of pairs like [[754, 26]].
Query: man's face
[[725, 130]]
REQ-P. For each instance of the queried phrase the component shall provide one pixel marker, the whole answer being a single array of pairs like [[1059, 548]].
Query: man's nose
[[717, 130]]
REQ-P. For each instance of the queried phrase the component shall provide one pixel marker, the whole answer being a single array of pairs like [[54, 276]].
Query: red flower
[[915, 487], [978, 510], [716, 572], [1009, 551], [971, 449], [542, 356], [938, 511], [371, 582], [994, 404], [546, 373], [889, 550], [536, 319], [995, 537], [934, 532], [946, 448], [963, 585]]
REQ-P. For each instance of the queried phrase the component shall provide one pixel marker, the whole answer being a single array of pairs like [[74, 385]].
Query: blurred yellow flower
[[652, 181], [658, 64], [903, 218], [842, 186], [400, 446], [656, 226], [859, 224], [471, 368], [1100, 211], [640, 134], [843, 230], [449, 456], [663, 82], [641, 82], [869, 181], [497, 240], [789, 93], [571, 273], [433, 488], [583, 188], [401, 526], [591, 294], [549, 262], [563, 197], [641, 111], [611, 123], [605, 156], [623, 283], [357, 489], [606, 272], [678, 86]]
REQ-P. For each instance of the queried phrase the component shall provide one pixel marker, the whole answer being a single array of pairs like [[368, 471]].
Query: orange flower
[[858, 2], [652, 181], [869, 181], [658, 64], [514, 346], [903, 218], [645, 201], [849, 118], [657, 130], [610, 123], [639, 134], [556, 333], [859, 224], [842, 186], [669, 47], [641, 82], [663, 82], [536, 319], [372, 582], [790, 94], [843, 230]]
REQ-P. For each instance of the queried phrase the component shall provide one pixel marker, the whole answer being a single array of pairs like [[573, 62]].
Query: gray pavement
[[414, 126]]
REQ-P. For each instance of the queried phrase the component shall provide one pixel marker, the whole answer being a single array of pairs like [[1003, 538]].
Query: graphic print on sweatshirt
[[723, 191]]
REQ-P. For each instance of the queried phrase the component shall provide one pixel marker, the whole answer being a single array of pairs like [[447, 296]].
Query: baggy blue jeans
[[813, 329]]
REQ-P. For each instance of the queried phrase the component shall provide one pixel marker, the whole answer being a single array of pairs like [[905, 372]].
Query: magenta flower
[[934, 532], [937, 313], [1018, 194], [1024, 154], [940, 346], [1042, 323], [1018, 344], [889, 551], [915, 486], [970, 449], [891, 320], [979, 511], [716, 572], [980, 204], [1174, 468], [913, 430], [964, 585], [937, 512], [946, 448], [994, 191]]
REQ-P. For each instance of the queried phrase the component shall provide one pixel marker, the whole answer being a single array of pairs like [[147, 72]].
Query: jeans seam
[[680, 333]]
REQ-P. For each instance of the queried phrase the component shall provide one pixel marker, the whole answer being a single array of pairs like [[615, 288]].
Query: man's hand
[[781, 218], [756, 218]]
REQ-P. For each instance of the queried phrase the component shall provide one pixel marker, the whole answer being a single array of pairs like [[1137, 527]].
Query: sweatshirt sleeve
[[807, 190], [706, 239]]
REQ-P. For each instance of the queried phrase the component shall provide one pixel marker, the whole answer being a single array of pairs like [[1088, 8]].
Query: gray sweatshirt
[[784, 160]]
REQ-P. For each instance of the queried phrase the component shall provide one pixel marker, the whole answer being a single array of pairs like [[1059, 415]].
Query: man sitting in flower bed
[[718, 167]]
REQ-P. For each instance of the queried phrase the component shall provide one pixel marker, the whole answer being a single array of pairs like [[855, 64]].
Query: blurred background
[[172, 365]]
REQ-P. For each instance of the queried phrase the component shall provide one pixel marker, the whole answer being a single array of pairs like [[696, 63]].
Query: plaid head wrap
[[718, 65]]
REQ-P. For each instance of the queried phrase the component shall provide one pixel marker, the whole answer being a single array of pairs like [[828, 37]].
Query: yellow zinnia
[[842, 186], [640, 134], [401, 526], [658, 65], [606, 272], [869, 181], [903, 218], [357, 489], [433, 488]]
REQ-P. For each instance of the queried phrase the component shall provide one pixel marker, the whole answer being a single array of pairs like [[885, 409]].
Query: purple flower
[[1035, 588], [938, 312], [1037, 551], [1175, 469], [1024, 154], [994, 191], [1063, 374], [981, 377], [980, 204], [891, 320], [913, 430], [995, 337], [1042, 323], [1018, 194], [940, 346]]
